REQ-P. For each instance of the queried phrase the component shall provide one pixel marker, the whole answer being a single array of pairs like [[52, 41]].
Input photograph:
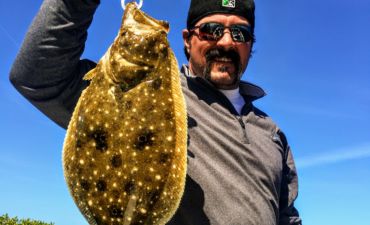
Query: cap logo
[[228, 3]]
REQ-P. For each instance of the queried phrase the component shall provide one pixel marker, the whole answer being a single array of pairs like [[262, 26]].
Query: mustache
[[212, 54]]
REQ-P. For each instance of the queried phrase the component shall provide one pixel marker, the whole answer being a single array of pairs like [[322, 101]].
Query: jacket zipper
[[242, 124]]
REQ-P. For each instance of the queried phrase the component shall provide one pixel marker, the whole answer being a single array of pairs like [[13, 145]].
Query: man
[[240, 167]]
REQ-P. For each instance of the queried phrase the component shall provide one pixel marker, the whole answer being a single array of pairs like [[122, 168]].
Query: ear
[[186, 39]]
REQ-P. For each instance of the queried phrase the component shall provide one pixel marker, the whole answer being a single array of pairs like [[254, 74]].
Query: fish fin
[[90, 75]]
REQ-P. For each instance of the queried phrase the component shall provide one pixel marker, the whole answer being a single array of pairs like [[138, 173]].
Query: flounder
[[124, 154]]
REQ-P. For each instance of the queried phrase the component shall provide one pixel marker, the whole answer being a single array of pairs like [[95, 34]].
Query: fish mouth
[[135, 65], [133, 14], [118, 65]]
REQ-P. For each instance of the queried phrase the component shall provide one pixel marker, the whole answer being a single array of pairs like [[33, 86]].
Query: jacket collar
[[248, 90]]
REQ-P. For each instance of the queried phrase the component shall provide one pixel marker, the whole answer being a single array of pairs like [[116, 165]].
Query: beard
[[229, 55]]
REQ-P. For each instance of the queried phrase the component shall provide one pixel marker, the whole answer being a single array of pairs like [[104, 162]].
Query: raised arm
[[48, 70]]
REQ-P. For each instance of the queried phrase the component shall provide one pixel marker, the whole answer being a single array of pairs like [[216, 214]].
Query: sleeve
[[289, 188], [48, 70]]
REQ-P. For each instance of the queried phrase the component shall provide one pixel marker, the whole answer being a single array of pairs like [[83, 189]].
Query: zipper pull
[[242, 124]]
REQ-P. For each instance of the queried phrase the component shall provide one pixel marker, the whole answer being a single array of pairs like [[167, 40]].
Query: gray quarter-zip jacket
[[240, 167]]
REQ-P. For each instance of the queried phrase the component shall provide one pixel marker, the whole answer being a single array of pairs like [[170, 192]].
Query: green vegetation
[[6, 220]]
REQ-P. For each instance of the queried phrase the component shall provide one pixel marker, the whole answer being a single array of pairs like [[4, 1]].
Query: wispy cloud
[[345, 154]]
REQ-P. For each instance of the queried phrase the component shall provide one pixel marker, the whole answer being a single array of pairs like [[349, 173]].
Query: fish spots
[[144, 139], [154, 197], [115, 211], [99, 220], [116, 161], [79, 143], [125, 132], [101, 185], [139, 218], [158, 177], [100, 138], [168, 115], [85, 185], [90, 203], [169, 138], [157, 83], [129, 187], [164, 157], [143, 211]]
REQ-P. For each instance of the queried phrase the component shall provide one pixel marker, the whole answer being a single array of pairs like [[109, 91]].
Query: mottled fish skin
[[124, 154]]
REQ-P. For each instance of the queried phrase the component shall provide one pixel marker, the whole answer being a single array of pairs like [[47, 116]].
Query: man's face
[[222, 62]]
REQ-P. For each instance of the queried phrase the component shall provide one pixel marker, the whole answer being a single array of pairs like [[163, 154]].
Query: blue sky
[[311, 57]]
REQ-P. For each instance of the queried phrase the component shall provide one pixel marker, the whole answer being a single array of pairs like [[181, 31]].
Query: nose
[[226, 40]]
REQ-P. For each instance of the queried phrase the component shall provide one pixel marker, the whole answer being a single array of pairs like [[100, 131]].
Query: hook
[[138, 5]]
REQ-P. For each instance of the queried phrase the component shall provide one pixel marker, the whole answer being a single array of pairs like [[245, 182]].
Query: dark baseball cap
[[202, 8]]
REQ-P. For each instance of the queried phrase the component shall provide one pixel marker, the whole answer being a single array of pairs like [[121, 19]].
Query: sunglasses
[[214, 31]]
